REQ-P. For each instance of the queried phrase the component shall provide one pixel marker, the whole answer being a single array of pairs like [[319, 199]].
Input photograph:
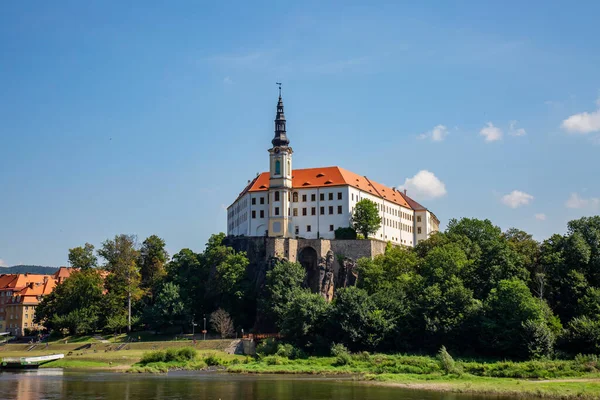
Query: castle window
[[331, 227], [339, 209], [339, 195], [253, 200], [276, 196], [308, 228], [262, 200], [322, 210], [296, 230], [253, 214], [304, 211], [295, 197], [330, 210], [313, 211], [330, 196], [419, 218], [313, 197], [295, 212], [276, 210], [262, 213], [322, 196], [419, 230], [277, 167], [304, 198]]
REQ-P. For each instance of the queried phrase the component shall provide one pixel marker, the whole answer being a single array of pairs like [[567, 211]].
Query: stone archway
[[309, 259]]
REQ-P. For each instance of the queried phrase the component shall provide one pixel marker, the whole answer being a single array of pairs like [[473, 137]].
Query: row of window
[[295, 197], [294, 212], [309, 229]]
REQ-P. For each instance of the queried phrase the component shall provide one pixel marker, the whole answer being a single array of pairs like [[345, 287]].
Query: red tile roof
[[334, 176]]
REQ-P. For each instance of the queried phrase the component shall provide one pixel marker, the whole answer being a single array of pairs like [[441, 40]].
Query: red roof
[[334, 176]]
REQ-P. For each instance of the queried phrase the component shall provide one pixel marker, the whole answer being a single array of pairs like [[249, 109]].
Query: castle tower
[[280, 178]]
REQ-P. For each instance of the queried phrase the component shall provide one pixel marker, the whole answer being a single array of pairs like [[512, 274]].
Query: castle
[[312, 203]]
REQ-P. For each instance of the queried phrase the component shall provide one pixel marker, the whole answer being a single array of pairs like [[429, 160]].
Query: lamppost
[[204, 330], [193, 327]]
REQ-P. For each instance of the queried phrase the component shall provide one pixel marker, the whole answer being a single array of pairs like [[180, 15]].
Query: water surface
[[49, 384]]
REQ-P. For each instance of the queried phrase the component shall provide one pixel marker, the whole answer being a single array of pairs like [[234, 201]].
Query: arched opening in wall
[[308, 258]]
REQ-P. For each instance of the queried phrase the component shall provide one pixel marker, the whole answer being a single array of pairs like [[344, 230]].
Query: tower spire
[[280, 138]]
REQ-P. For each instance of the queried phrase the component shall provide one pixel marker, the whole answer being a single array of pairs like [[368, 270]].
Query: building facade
[[19, 296], [312, 203]]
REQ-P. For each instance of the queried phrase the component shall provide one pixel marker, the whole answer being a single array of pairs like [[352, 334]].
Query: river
[[50, 384]]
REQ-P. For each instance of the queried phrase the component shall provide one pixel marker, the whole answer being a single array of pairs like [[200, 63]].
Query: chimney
[[405, 192]]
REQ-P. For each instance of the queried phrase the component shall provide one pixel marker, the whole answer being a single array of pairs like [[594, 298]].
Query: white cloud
[[576, 201], [424, 185], [491, 133], [583, 123], [516, 198], [227, 80], [3, 263], [437, 134], [540, 217], [514, 131]]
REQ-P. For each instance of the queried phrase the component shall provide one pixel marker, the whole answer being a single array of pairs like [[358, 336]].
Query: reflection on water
[[47, 384]]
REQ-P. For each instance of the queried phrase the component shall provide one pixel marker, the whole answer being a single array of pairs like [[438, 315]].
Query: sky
[[150, 117]]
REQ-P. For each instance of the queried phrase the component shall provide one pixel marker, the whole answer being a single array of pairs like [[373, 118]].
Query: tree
[[74, 304], [366, 219], [152, 260], [303, 318], [222, 323], [123, 282], [168, 309], [190, 273], [281, 282], [82, 257]]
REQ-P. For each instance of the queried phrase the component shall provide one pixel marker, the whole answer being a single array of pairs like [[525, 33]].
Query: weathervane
[[279, 84]]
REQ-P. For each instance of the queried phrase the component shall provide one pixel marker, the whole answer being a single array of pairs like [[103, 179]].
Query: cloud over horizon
[[424, 185], [437, 134], [583, 123], [491, 132], [516, 199], [577, 202]]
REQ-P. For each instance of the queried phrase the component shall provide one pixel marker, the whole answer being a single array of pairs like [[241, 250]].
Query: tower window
[[339, 195], [276, 196], [418, 218], [330, 196], [419, 230], [313, 211], [276, 210], [295, 197], [277, 167]]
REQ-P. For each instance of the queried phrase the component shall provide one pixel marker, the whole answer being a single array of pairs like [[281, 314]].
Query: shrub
[[267, 347], [213, 360], [583, 336], [345, 233], [171, 355], [153, 356], [341, 354], [447, 363]]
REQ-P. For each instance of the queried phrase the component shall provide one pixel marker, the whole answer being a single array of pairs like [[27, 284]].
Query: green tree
[[366, 219], [82, 257], [123, 281], [357, 322], [190, 273], [152, 260], [303, 319], [74, 304], [168, 309], [281, 284]]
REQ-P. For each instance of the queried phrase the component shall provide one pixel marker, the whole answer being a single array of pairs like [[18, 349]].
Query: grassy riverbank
[[566, 379]]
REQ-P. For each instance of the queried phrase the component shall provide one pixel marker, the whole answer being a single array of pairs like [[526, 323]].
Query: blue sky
[[149, 117]]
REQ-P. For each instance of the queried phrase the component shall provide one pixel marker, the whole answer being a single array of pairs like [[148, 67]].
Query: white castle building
[[312, 203]]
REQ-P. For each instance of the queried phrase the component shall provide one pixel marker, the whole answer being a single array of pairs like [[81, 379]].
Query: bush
[[267, 347], [171, 355], [345, 233], [213, 360], [583, 336], [341, 354], [447, 363]]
